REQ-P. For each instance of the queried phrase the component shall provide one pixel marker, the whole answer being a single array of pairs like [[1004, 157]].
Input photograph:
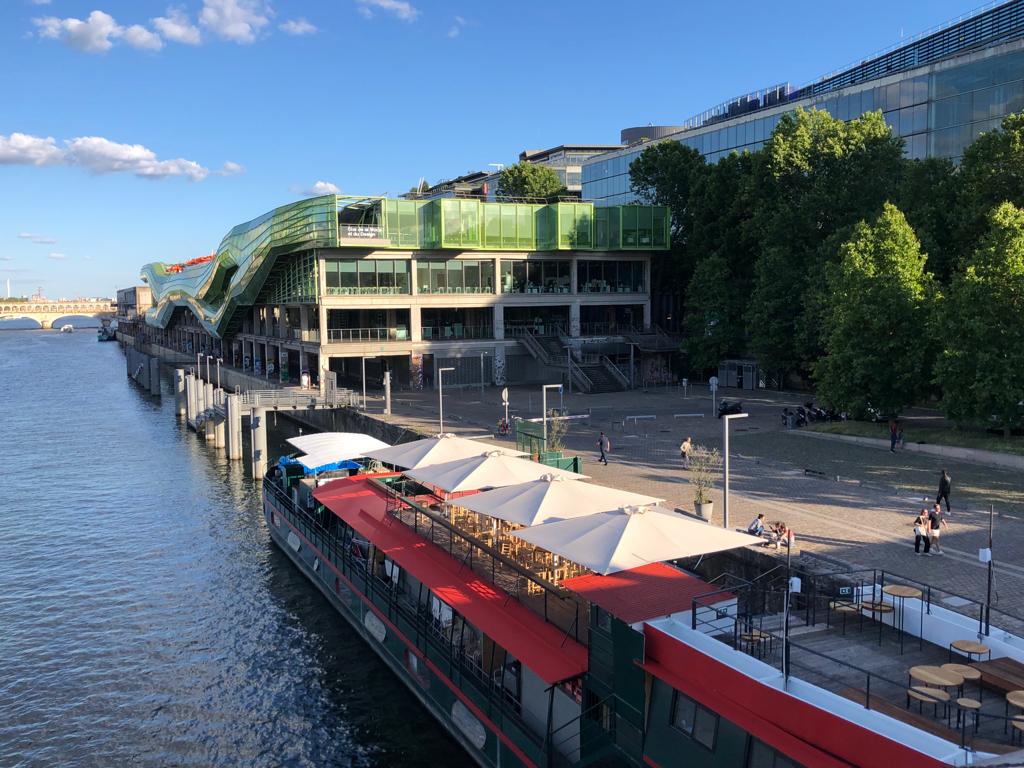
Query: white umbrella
[[342, 445], [488, 470], [434, 450], [608, 542], [550, 498]]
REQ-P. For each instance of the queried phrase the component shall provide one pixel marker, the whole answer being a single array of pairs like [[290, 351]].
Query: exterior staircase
[[591, 374], [653, 339]]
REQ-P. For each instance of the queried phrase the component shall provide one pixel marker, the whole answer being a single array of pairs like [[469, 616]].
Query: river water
[[146, 618]]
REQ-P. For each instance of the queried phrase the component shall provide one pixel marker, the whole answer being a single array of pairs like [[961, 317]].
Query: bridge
[[46, 311]]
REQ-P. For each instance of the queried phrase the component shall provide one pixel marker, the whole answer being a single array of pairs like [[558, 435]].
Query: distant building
[[567, 161], [132, 304]]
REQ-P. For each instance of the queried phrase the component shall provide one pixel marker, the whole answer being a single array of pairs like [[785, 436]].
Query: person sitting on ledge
[[756, 527]]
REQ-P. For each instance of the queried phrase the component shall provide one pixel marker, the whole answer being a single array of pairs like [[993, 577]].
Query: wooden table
[[967, 673], [1013, 698], [901, 592], [970, 649], [936, 676]]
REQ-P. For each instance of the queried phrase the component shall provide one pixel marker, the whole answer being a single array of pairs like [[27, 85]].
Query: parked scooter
[[726, 408]]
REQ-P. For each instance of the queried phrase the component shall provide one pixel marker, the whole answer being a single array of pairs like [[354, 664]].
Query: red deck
[[539, 645], [648, 592]]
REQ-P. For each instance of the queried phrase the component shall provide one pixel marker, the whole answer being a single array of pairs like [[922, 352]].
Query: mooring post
[[258, 423], [180, 404], [190, 399], [208, 428]]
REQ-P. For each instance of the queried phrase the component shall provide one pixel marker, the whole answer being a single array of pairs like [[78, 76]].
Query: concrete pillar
[[208, 402], [573, 281], [154, 376], [574, 319], [218, 432], [415, 325], [234, 427], [499, 321], [190, 398], [647, 314], [258, 425], [179, 392]]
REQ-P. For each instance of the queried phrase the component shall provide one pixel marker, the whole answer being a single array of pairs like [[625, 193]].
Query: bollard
[[258, 425], [180, 404]]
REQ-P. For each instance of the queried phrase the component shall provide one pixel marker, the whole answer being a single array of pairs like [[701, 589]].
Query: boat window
[[698, 722], [760, 755]]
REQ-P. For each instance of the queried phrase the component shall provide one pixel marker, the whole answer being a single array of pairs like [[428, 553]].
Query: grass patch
[[977, 439]]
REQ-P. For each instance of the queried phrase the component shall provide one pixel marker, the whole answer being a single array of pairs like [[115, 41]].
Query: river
[[146, 618]]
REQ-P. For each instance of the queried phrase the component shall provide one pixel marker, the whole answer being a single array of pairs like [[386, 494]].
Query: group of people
[[929, 523], [777, 533]]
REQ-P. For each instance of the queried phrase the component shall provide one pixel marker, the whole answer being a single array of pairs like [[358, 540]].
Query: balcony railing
[[600, 286], [471, 289], [533, 288], [356, 335], [381, 290], [608, 329], [457, 331]]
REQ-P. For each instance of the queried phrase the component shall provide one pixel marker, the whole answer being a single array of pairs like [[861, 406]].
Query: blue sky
[[134, 131]]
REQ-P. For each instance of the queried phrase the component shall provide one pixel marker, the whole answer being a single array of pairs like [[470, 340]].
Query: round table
[[966, 672], [1015, 698], [937, 676], [970, 649], [901, 592]]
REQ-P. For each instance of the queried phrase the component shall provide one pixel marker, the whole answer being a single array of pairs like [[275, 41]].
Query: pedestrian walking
[[894, 434], [684, 450], [945, 486], [921, 526], [605, 446], [936, 523]]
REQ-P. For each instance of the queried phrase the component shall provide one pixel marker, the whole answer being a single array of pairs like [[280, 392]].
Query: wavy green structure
[[244, 259], [212, 291]]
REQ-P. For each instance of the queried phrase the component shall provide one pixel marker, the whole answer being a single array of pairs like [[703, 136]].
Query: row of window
[[385, 276]]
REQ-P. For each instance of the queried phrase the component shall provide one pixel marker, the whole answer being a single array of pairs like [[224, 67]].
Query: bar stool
[[965, 705]]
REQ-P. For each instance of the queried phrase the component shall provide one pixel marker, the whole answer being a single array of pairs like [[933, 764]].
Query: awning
[[493, 469], [628, 538], [329, 447], [541, 646], [550, 498], [434, 450]]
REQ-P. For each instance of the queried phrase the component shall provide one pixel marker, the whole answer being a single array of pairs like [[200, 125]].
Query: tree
[[818, 177], [982, 354], [528, 180], [878, 331], [928, 198], [714, 315]]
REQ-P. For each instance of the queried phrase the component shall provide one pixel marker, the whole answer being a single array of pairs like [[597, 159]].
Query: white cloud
[[94, 35], [22, 149], [57, 256], [41, 2], [4, 257], [230, 169], [237, 20], [177, 27], [323, 188], [399, 8], [100, 155], [298, 27], [456, 28], [139, 37], [38, 239]]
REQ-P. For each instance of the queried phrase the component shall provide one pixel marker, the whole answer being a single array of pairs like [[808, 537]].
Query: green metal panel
[[666, 745]]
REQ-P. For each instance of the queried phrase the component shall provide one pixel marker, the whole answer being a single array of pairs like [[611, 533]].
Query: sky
[[134, 131]]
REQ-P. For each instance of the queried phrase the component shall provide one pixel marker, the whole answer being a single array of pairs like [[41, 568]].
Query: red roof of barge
[[648, 592], [539, 645]]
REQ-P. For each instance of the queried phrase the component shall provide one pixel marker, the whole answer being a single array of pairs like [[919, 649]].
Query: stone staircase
[[591, 375]]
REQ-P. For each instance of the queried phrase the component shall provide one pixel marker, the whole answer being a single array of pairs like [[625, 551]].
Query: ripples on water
[[145, 616]]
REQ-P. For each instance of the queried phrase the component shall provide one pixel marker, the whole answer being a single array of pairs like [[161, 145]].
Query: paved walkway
[[846, 502]]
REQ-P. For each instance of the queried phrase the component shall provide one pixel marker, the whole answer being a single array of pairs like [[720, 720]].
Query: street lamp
[[544, 404], [208, 359], [440, 397], [725, 464], [482, 355], [219, 361], [199, 364], [364, 379]]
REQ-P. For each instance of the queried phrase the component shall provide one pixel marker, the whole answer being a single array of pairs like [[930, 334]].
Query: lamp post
[[364, 359], [544, 404], [482, 355], [219, 361], [725, 464], [208, 359], [440, 397], [199, 364]]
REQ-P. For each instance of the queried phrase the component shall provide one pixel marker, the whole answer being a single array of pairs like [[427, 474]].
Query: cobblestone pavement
[[846, 502]]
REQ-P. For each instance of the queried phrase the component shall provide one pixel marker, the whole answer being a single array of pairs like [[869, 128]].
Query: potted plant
[[705, 464]]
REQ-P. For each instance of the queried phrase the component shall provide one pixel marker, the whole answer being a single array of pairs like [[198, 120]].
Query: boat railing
[[555, 604], [489, 692]]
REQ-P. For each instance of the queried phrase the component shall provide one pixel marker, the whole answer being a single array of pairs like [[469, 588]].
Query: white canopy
[[550, 498], [434, 450], [493, 469], [325, 448], [608, 542]]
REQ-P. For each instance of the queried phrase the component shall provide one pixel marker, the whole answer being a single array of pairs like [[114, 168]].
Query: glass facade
[[443, 324], [455, 276], [344, 277], [536, 276], [610, 276], [938, 113]]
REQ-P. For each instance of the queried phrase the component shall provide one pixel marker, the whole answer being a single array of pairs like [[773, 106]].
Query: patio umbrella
[[492, 469], [336, 446], [434, 450], [608, 542], [549, 498]]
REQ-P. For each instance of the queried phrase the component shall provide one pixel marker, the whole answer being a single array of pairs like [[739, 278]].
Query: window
[[697, 722], [454, 276], [760, 755]]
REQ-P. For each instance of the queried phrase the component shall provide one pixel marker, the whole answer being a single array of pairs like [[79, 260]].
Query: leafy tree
[[818, 177], [664, 174], [928, 198], [992, 172], [878, 347], [529, 180], [982, 333], [714, 317]]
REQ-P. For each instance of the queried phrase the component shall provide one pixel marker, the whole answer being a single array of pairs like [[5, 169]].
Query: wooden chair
[[845, 608], [925, 695], [965, 705]]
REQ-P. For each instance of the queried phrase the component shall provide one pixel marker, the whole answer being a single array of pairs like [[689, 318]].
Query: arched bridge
[[46, 311]]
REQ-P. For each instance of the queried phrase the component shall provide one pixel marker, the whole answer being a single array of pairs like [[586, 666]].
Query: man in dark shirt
[[945, 485]]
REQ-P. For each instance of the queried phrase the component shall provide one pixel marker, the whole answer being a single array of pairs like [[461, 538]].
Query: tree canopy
[[528, 180]]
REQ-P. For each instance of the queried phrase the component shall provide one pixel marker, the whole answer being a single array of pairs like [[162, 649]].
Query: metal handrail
[[345, 335], [613, 369]]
